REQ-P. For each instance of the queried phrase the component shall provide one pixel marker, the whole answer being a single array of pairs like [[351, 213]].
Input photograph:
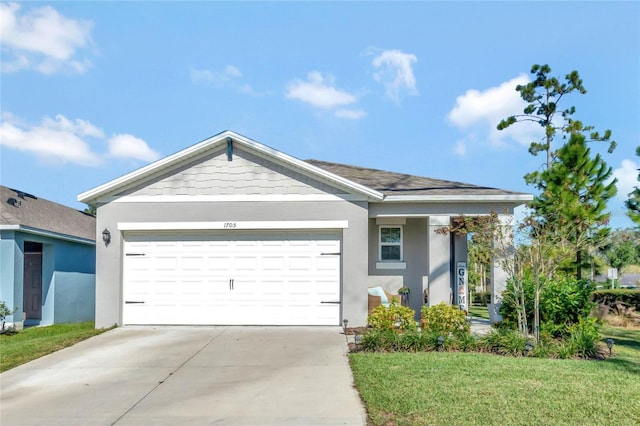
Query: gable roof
[[375, 185], [404, 187], [216, 142], [26, 212]]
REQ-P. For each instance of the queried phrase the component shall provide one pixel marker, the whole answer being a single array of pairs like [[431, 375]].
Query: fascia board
[[192, 151], [50, 234], [519, 198]]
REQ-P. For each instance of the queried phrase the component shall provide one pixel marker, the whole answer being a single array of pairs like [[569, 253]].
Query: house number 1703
[[229, 225]]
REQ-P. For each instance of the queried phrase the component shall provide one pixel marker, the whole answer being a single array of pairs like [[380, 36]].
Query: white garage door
[[234, 278]]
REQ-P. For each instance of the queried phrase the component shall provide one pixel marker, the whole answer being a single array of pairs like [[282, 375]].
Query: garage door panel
[[254, 279]]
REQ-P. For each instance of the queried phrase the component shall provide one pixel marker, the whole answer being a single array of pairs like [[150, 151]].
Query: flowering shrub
[[444, 320], [395, 317]]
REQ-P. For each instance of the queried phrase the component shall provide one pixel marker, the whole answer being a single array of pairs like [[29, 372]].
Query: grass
[[435, 388], [32, 343], [479, 312]]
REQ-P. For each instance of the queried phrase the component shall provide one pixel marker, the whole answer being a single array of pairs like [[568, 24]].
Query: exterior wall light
[[106, 237]]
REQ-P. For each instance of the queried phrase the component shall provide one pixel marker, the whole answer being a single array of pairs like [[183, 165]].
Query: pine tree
[[573, 197], [633, 203]]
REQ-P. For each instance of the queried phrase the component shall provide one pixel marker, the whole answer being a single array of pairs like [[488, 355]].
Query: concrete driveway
[[188, 376]]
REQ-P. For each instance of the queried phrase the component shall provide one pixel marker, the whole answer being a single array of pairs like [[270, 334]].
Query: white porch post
[[439, 260], [500, 276]]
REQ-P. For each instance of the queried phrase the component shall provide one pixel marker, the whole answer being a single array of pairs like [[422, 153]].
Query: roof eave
[[511, 198], [45, 233]]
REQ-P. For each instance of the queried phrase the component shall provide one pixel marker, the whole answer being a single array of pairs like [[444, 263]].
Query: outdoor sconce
[[440, 342], [106, 237], [610, 343]]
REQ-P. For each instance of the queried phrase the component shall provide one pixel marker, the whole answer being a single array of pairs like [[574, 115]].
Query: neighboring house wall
[[68, 277], [11, 284]]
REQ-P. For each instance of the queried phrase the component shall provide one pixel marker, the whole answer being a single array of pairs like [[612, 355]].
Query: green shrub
[[504, 342], [628, 298], [385, 340], [395, 317], [482, 298], [444, 319], [566, 301], [584, 337], [563, 302]]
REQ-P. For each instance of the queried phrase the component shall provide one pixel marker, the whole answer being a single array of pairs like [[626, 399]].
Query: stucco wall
[[58, 257], [354, 244], [414, 276]]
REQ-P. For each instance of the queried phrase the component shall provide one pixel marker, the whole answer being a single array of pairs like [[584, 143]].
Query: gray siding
[[247, 174]]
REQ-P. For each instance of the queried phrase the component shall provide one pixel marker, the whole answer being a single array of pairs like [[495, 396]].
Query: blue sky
[[93, 90]]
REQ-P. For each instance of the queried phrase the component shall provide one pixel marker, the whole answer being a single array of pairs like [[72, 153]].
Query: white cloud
[[229, 77], [128, 146], [53, 141], [627, 175], [395, 72], [460, 149], [485, 109], [350, 114], [42, 39], [61, 140], [319, 91]]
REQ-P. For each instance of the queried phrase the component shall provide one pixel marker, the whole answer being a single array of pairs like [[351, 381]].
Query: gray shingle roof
[[41, 214], [390, 183]]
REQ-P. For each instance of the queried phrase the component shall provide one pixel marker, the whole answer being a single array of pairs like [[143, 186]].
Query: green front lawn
[[481, 389], [35, 342]]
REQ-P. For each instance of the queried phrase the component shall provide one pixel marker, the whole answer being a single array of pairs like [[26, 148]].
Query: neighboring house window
[[390, 244]]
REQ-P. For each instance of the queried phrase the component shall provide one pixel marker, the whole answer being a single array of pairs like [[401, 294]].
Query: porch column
[[439, 261], [503, 245]]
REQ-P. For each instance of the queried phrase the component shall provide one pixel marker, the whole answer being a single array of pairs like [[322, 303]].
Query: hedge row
[[629, 298], [482, 298]]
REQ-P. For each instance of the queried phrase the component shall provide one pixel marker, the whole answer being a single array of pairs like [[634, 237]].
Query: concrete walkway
[[188, 376]]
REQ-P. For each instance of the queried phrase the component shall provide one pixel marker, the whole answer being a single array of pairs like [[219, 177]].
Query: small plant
[[404, 290], [504, 342], [444, 320], [5, 312], [395, 317], [584, 337]]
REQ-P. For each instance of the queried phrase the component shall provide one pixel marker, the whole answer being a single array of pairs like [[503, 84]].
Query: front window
[[390, 243]]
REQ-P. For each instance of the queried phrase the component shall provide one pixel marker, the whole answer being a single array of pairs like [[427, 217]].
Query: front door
[[32, 281]]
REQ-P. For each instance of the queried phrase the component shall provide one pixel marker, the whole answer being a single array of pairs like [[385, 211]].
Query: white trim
[[232, 225], [50, 234], [459, 198], [231, 198], [210, 143], [439, 220], [391, 265], [397, 220]]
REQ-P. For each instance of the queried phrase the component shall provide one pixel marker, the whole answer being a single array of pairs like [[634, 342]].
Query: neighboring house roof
[[23, 211], [403, 186]]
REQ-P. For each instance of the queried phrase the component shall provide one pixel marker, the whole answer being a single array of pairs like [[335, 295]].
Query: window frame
[[399, 244]]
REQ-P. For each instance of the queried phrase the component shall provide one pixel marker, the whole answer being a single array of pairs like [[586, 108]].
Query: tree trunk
[[579, 265], [536, 313]]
